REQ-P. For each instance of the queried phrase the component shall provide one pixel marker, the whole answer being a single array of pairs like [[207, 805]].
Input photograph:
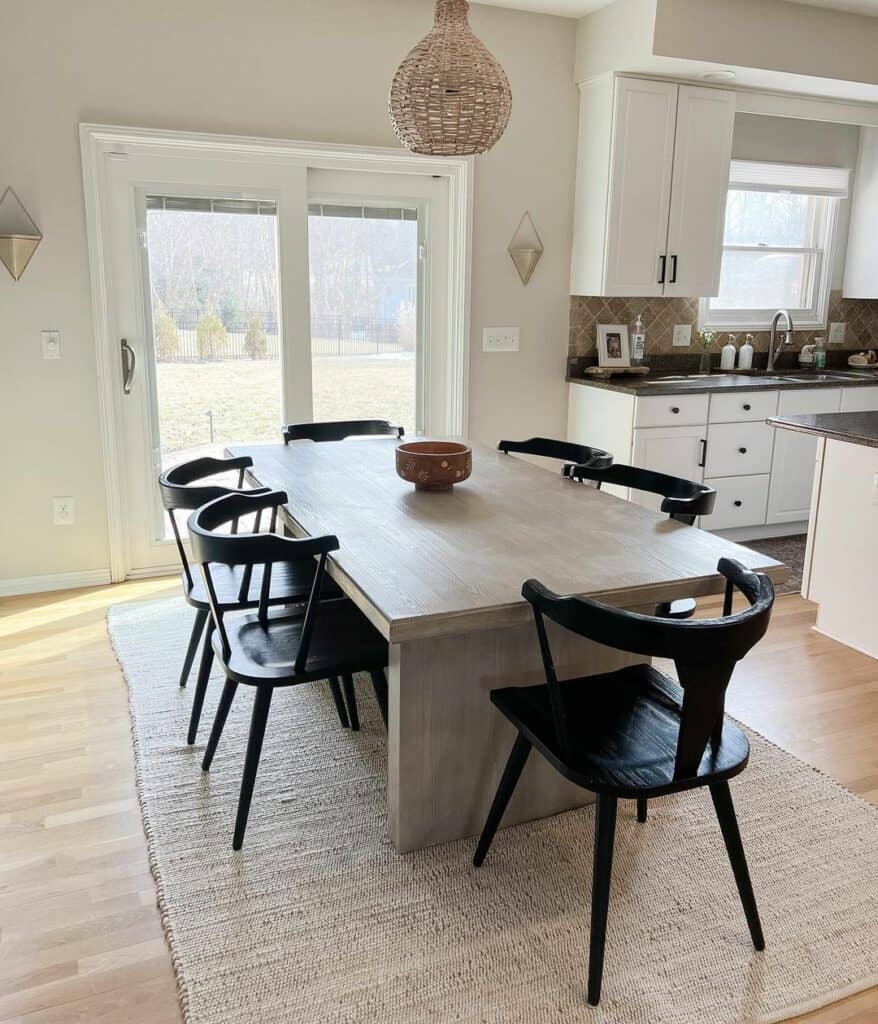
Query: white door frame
[[100, 143]]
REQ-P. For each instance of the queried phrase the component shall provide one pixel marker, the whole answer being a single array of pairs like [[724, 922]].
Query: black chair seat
[[344, 641], [628, 724], [290, 584]]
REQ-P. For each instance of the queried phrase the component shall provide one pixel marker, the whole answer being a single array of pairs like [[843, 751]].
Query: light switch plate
[[836, 333], [51, 341], [62, 511], [500, 339], [682, 335]]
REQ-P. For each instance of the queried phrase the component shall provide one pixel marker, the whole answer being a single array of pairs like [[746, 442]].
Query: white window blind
[[755, 176], [194, 204]]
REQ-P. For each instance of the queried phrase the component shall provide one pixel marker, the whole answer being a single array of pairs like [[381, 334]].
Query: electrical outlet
[[682, 335], [500, 339], [836, 333], [51, 341], [62, 511]]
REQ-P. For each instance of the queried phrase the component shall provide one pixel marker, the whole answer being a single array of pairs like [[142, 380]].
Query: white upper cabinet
[[652, 179], [861, 263], [702, 158]]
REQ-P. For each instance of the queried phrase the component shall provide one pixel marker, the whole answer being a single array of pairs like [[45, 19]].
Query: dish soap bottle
[[638, 342], [819, 354], [729, 351], [745, 354]]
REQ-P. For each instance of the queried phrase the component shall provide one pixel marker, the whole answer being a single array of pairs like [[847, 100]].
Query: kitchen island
[[841, 559]]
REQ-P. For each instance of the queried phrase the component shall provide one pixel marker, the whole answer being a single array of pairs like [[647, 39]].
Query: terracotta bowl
[[434, 465]]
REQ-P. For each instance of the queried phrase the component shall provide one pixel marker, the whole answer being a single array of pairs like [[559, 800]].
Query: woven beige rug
[[319, 921]]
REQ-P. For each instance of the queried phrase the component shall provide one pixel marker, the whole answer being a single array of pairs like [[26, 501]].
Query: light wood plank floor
[[80, 938]]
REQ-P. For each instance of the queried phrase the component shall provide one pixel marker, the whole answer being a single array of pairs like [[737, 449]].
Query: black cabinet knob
[[675, 408], [747, 407], [738, 504], [743, 451]]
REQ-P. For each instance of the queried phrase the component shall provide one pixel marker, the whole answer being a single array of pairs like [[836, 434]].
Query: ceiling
[[577, 8]]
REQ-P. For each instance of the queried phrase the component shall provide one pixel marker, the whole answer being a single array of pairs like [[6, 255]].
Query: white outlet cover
[[500, 339], [682, 335], [51, 342], [836, 333], [62, 511]]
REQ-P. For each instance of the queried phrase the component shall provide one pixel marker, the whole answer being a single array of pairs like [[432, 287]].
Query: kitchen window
[[778, 245]]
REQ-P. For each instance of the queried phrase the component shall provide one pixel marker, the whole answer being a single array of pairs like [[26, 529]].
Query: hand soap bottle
[[638, 342], [819, 354], [729, 351], [745, 354]]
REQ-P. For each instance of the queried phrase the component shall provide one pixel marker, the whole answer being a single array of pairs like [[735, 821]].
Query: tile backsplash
[[660, 316]]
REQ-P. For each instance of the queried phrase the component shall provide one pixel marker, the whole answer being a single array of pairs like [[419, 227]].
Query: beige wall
[[298, 69]]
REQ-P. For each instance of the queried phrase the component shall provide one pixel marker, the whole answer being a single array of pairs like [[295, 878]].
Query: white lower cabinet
[[740, 501], [678, 451], [738, 449], [792, 469], [859, 400]]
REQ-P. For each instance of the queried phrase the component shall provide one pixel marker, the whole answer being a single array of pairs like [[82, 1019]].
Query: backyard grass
[[244, 399]]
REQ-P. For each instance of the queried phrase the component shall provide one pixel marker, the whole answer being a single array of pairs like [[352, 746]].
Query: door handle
[[673, 270], [129, 362], [663, 260], [703, 459]]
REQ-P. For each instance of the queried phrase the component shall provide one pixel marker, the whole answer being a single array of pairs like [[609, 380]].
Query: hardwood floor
[[80, 938]]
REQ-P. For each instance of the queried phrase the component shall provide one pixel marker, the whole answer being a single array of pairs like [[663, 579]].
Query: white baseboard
[[55, 581], [741, 534]]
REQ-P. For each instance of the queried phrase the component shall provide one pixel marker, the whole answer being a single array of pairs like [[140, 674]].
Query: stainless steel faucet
[[787, 338]]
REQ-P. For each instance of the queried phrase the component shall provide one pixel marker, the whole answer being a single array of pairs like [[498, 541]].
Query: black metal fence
[[330, 336]]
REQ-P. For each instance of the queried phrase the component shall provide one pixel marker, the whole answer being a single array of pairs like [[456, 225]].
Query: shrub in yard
[[210, 336], [167, 340], [256, 343]]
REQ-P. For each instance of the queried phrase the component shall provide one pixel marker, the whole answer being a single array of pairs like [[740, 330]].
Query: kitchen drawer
[[742, 406], [738, 449], [671, 410], [740, 501], [859, 400]]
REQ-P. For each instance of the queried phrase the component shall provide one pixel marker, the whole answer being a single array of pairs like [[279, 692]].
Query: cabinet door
[[859, 400], [792, 469], [702, 155], [644, 116], [675, 450]]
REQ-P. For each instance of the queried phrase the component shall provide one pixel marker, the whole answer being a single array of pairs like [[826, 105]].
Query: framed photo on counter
[[613, 345]]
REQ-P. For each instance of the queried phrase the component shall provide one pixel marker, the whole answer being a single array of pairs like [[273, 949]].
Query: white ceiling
[[577, 8]]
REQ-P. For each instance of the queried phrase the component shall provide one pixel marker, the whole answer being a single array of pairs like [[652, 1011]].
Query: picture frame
[[613, 349]]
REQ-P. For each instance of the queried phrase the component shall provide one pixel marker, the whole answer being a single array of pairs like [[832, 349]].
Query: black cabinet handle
[[746, 407], [738, 504], [673, 270], [663, 260], [743, 451], [675, 409], [703, 458]]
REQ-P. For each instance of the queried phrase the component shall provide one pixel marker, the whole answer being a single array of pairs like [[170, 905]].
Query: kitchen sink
[[804, 378]]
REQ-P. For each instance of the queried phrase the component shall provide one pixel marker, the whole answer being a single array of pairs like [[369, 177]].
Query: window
[[778, 245]]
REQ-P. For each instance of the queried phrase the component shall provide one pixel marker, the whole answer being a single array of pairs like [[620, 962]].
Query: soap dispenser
[[638, 341], [745, 354], [729, 351]]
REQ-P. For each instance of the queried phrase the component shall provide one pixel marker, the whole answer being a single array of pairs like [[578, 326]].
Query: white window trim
[[831, 183]]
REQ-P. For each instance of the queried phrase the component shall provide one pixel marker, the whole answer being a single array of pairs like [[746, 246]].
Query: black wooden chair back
[[684, 500], [549, 448], [705, 651], [210, 544], [338, 430], [180, 489]]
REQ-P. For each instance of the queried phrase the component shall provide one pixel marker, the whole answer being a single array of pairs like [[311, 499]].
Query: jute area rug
[[318, 919]]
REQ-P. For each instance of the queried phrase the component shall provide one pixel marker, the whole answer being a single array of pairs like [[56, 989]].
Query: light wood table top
[[427, 564]]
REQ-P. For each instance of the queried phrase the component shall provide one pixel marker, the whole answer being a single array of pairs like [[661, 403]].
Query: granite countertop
[[782, 380], [856, 427]]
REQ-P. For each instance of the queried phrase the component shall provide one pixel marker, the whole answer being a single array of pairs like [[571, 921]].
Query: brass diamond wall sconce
[[19, 236], [526, 248]]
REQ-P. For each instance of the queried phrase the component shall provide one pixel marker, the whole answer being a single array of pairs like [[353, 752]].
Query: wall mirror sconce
[[525, 248], [19, 236]]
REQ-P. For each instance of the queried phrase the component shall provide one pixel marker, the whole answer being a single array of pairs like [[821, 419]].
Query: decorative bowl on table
[[434, 465]]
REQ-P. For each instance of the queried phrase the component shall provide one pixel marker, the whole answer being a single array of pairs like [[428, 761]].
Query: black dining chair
[[338, 430], [182, 488], [635, 733], [683, 500], [566, 451], [270, 647]]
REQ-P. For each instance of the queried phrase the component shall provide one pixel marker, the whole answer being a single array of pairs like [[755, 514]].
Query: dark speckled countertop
[[664, 384], [856, 427]]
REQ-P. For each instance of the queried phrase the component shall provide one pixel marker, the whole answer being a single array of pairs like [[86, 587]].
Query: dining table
[[439, 575]]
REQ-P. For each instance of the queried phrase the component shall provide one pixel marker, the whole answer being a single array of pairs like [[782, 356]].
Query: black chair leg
[[347, 681], [335, 690], [379, 685], [725, 812], [511, 774], [604, 835], [261, 708], [201, 684], [222, 713], [641, 811], [194, 637]]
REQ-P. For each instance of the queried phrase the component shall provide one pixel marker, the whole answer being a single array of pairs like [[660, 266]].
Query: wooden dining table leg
[[448, 745]]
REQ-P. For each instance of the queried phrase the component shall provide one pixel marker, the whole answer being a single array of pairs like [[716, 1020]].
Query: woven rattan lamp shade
[[450, 97]]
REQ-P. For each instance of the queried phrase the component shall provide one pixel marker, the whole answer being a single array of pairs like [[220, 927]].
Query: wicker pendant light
[[449, 96]]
